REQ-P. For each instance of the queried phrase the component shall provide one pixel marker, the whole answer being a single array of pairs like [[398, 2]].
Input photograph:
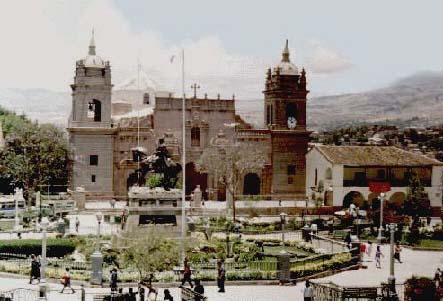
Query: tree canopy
[[150, 251], [231, 162], [34, 155]]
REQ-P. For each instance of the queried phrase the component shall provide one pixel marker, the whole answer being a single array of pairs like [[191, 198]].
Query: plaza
[[414, 263]]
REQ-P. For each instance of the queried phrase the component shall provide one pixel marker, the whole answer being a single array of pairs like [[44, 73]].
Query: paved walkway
[[414, 262], [233, 293], [422, 263]]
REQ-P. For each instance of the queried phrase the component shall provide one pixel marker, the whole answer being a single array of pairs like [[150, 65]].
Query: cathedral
[[102, 131]]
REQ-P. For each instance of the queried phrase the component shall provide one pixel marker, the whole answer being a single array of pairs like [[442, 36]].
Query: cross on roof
[[195, 87]]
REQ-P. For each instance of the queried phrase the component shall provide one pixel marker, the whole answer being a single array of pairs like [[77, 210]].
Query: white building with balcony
[[343, 174]]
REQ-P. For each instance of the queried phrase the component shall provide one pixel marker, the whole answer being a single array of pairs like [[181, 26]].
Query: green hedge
[[55, 247]]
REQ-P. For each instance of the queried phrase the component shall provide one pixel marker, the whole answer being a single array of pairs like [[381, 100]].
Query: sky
[[345, 45]]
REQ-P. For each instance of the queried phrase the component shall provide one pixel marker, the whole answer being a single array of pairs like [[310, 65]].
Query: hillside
[[418, 97]]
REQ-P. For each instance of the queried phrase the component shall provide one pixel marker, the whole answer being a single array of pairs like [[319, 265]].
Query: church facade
[[101, 144]]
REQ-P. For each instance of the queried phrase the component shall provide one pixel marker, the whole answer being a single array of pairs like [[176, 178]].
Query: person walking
[[66, 281], [199, 289], [369, 250], [152, 292], [186, 274], [141, 291], [35, 269], [397, 250], [362, 251], [77, 224], [437, 277], [378, 255], [221, 277], [308, 292], [113, 279]]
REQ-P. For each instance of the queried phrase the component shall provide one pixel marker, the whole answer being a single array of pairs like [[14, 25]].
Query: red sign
[[379, 187]]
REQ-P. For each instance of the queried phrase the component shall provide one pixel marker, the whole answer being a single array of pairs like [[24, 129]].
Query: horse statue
[[160, 162]]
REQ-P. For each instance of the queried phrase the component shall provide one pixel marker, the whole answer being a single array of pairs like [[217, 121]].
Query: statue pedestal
[[154, 206], [197, 200], [80, 198]]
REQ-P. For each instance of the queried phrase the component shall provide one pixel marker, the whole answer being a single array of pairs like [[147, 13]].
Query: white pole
[[16, 219], [43, 224], [380, 228], [183, 155]]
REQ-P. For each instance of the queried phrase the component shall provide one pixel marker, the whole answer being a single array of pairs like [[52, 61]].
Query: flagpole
[[183, 156]]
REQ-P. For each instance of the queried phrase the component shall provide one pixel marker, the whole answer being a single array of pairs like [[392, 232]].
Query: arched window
[[146, 98], [195, 136], [291, 110], [95, 110]]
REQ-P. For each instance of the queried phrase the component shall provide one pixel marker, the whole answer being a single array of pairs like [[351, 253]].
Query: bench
[[369, 293], [188, 294]]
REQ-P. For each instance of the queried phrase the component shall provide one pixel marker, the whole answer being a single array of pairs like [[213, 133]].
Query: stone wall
[[85, 144]]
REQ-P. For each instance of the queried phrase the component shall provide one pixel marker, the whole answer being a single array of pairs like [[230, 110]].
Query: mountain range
[[418, 97]]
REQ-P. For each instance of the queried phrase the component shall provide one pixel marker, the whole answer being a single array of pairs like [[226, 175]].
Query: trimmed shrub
[[55, 247]]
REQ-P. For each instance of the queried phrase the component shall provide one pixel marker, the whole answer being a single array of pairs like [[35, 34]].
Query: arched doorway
[[353, 197], [251, 184], [398, 199], [194, 178]]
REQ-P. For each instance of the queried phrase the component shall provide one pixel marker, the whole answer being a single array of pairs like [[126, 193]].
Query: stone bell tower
[[285, 116], [90, 128]]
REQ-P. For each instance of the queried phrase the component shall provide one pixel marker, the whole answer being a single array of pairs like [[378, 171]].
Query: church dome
[[92, 60], [285, 67]]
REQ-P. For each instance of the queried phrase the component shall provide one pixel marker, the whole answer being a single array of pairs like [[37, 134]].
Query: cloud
[[324, 60], [41, 44]]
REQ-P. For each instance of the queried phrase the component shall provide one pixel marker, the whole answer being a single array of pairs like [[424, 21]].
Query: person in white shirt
[[308, 292]]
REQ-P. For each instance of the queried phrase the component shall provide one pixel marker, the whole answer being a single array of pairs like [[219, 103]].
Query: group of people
[[366, 252], [36, 274]]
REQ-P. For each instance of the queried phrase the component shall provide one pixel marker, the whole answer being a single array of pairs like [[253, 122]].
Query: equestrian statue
[[158, 163]]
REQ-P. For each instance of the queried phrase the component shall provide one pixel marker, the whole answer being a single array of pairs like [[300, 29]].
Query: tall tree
[[35, 155], [230, 163], [149, 251]]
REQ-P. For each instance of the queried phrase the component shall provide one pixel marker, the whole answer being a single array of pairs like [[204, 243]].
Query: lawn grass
[[431, 243], [277, 249]]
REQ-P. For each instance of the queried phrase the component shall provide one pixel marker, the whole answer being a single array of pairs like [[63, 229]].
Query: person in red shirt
[[187, 274], [362, 251]]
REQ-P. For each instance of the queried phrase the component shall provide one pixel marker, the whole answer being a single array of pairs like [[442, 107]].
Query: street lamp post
[[44, 225], [380, 228], [391, 279], [283, 221], [97, 257]]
